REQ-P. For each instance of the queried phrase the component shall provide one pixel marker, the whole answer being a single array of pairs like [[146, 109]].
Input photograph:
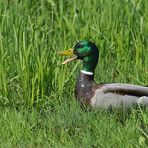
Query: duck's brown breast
[[85, 88]]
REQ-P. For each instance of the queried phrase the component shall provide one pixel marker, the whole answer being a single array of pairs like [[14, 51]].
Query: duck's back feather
[[127, 89], [116, 94]]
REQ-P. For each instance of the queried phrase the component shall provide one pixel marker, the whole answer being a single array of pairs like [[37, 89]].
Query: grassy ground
[[37, 105]]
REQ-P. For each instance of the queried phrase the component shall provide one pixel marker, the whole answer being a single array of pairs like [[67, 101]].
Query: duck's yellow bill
[[68, 52]]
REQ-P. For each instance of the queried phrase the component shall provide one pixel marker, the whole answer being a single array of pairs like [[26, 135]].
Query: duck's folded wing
[[127, 89]]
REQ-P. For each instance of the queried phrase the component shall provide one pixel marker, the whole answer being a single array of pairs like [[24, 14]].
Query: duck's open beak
[[68, 52]]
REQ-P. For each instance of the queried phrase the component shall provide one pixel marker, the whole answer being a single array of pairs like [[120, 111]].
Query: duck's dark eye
[[79, 46]]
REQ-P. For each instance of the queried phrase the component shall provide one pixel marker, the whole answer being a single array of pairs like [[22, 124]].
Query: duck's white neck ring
[[87, 72]]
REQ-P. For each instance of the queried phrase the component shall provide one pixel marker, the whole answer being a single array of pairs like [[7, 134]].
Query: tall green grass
[[31, 34]]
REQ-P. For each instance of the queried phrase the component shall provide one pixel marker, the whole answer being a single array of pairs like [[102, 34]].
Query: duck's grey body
[[104, 98], [112, 94]]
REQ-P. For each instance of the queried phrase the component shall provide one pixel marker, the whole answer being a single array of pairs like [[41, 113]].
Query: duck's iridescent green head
[[86, 51]]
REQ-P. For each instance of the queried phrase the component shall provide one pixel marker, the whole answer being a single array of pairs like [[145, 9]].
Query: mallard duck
[[88, 92]]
